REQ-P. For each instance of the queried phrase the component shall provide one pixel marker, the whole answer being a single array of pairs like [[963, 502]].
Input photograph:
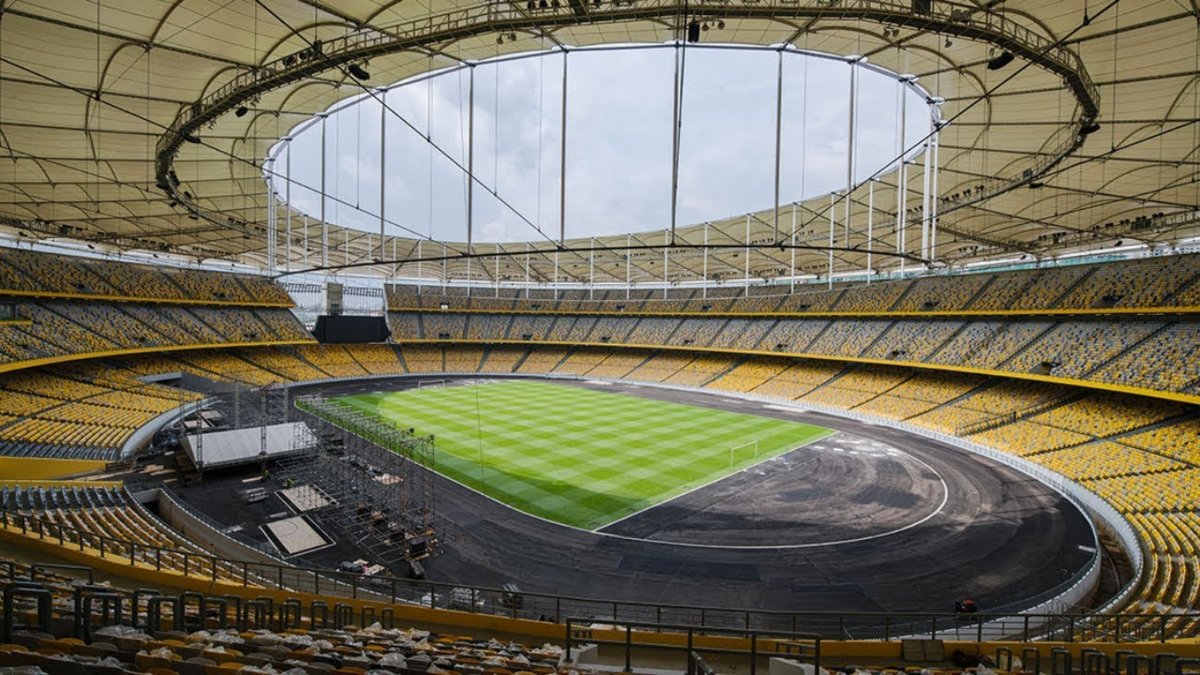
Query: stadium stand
[[465, 360], [1045, 306], [1147, 282], [542, 360], [748, 375], [50, 275], [99, 521], [56, 415], [333, 361], [502, 359], [74, 328], [1104, 349], [1135, 454], [376, 359], [419, 359]]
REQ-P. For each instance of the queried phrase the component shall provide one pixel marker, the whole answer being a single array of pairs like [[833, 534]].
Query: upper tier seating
[[1161, 281], [60, 328], [1115, 350], [50, 274]]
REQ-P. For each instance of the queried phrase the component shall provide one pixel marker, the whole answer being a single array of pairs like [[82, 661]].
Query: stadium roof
[[118, 121]]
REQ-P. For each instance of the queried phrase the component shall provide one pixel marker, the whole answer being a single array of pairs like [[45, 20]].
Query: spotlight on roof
[[721, 24], [1089, 128], [358, 71], [241, 111], [1000, 61], [693, 31]]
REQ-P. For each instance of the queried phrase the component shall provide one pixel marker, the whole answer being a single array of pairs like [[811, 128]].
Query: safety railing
[[804, 647], [553, 607]]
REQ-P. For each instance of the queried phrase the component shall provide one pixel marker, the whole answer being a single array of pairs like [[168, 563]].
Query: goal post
[[743, 451], [430, 384]]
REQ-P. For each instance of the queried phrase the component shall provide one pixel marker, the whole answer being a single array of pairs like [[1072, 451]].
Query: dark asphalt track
[[854, 522]]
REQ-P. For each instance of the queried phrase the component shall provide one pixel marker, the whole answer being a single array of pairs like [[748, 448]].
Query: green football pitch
[[579, 456]]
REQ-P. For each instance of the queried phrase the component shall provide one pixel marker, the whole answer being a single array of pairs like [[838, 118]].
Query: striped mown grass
[[578, 456]]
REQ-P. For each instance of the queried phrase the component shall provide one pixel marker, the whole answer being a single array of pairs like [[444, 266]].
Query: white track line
[[941, 505], [715, 480], [820, 544], [726, 547]]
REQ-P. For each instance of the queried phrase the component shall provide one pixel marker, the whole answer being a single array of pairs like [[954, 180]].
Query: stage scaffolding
[[238, 408], [375, 476]]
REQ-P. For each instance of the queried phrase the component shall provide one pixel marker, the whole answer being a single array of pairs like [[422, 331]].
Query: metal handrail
[[481, 599]]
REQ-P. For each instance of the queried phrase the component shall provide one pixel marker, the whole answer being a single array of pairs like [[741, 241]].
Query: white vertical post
[[746, 281], [902, 183], [324, 220], [272, 221], [832, 206], [704, 286], [628, 265], [793, 284], [420, 276], [288, 189], [556, 274], [470, 171], [496, 274], [666, 259], [925, 203], [382, 170], [676, 95], [778, 140], [526, 270], [444, 279], [870, 225], [592, 270], [933, 197], [850, 150], [306, 242], [562, 166]]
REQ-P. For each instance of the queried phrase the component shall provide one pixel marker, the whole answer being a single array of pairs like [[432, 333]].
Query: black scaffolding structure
[[371, 481]]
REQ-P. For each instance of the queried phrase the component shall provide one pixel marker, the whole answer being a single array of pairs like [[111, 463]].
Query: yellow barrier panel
[[1112, 311], [82, 356], [22, 470]]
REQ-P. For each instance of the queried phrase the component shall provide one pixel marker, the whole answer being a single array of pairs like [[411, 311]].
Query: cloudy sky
[[619, 110]]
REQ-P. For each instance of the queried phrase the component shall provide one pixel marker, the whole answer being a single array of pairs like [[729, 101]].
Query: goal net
[[431, 384], [743, 452]]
